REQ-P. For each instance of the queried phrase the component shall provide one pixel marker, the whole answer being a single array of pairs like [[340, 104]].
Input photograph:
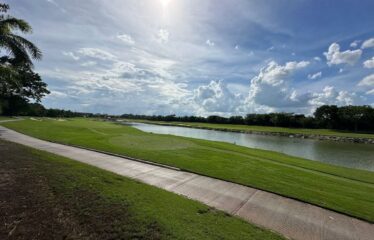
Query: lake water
[[353, 155]]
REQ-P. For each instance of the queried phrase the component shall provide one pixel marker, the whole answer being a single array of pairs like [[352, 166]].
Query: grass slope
[[84, 202], [345, 190], [4, 118], [237, 127]]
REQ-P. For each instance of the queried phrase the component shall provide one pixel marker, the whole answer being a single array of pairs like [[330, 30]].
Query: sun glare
[[165, 3]]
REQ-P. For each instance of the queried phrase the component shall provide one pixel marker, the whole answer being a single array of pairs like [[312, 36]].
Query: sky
[[202, 57]]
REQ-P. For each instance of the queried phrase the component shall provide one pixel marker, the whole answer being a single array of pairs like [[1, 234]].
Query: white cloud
[[367, 81], [57, 94], [72, 55], [236, 47], [331, 96], [163, 36], [368, 43], [126, 39], [355, 43], [271, 86], [146, 86], [315, 75], [96, 53], [215, 98], [53, 2], [369, 63], [335, 57], [89, 64], [210, 43], [274, 74], [317, 59], [270, 91]]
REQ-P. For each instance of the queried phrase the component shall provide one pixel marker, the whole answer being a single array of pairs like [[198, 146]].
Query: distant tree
[[327, 116], [358, 118], [281, 119], [236, 120], [216, 119], [355, 117]]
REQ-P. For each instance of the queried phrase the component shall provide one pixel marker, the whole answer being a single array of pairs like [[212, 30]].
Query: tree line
[[38, 110], [352, 118]]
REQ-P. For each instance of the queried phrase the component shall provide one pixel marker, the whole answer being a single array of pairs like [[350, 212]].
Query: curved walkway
[[291, 218]]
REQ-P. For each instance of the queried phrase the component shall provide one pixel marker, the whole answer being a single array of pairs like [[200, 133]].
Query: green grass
[[4, 118], [237, 127], [342, 189], [112, 205]]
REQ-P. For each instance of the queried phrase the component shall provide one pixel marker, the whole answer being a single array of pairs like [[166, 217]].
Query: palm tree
[[20, 50]]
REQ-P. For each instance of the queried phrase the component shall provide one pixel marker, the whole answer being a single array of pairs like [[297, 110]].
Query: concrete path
[[291, 218]]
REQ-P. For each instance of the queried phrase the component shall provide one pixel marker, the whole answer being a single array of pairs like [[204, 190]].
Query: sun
[[165, 3]]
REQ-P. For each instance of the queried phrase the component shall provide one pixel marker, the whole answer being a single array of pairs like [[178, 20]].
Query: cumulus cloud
[[369, 63], [355, 43], [96, 53], [163, 36], [210, 43], [331, 96], [271, 86], [315, 75], [215, 98], [275, 74], [367, 81], [126, 39], [335, 57], [270, 91], [368, 43]]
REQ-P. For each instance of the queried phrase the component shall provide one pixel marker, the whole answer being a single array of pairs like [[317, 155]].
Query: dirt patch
[[33, 208], [28, 209]]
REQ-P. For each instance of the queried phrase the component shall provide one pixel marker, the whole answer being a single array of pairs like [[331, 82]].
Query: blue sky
[[206, 57]]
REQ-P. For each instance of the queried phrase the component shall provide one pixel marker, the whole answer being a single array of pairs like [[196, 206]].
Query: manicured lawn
[[235, 127], [345, 190], [67, 198], [5, 118]]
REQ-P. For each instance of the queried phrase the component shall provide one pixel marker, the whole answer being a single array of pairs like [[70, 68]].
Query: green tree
[[18, 82], [20, 50], [327, 116]]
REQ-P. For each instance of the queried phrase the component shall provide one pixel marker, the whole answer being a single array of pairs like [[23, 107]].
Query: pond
[[352, 155]]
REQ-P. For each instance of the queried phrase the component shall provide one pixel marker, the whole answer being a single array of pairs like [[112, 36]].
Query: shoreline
[[281, 134]]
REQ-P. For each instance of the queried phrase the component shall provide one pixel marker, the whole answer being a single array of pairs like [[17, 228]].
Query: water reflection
[[351, 155]]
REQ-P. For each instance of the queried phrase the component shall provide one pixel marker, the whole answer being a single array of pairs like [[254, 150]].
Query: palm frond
[[35, 52], [15, 49], [10, 23]]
